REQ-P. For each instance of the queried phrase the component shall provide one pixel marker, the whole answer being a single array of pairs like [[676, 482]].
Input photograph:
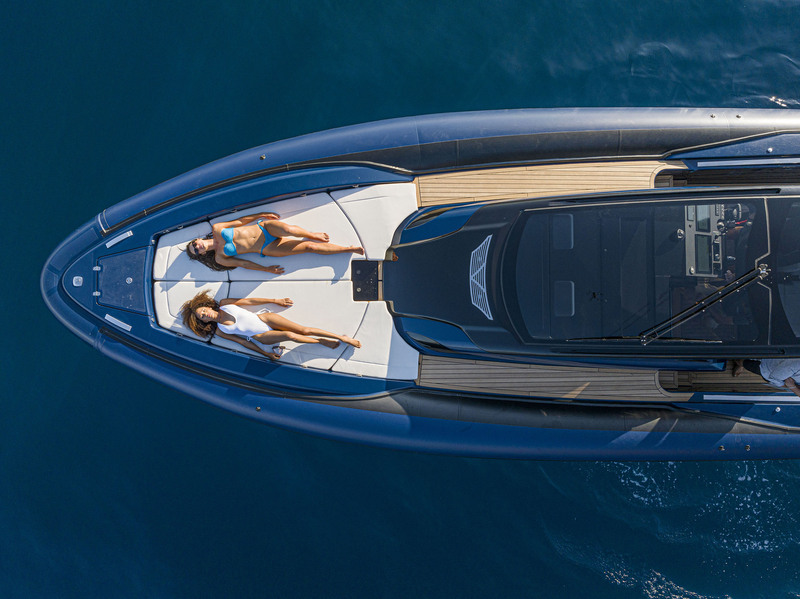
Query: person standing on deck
[[778, 372]]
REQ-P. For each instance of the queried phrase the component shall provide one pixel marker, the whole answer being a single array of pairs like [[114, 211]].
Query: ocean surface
[[112, 485]]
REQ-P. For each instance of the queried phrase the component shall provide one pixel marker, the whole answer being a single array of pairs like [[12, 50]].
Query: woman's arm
[[792, 386], [246, 220], [255, 301], [248, 344], [244, 263]]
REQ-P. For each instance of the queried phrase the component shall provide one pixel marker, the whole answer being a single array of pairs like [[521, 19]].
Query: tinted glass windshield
[[788, 266], [617, 270]]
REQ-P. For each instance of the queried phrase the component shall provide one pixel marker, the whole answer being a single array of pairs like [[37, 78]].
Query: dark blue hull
[[399, 413]]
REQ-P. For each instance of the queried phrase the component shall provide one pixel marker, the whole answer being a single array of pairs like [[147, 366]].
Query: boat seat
[[316, 212], [319, 285], [171, 262], [383, 352], [376, 212]]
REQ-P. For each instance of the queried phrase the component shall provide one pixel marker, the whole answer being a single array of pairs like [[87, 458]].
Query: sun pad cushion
[[320, 304], [376, 211], [319, 285], [315, 213], [171, 262], [383, 353], [169, 296]]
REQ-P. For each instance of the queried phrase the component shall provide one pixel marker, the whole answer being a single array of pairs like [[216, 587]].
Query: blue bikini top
[[230, 249], [227, 236]]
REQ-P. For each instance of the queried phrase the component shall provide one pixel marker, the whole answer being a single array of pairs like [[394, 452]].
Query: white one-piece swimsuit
[[247, 323]]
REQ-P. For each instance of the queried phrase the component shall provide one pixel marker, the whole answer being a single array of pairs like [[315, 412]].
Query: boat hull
[[400, 414]]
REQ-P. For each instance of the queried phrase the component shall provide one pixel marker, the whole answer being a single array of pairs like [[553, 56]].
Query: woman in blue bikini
[[262, 233]]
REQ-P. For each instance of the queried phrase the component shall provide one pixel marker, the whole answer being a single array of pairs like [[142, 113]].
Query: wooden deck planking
[[720, 381], [528, 380], [537, 181]]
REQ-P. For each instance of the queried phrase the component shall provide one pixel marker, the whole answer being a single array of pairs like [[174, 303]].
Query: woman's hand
[[269, 215], [283, 301], [275, 269], [792, 386]]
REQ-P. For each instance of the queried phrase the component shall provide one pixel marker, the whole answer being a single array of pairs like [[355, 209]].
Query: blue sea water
[[112, 485]]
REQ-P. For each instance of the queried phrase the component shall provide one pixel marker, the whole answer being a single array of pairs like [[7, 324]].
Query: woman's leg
[[739, 366], [278, 228], [281, 323], [753, 366], [286, 247], [275, 337]]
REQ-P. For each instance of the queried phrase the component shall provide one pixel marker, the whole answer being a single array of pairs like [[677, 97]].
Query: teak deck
[[530, 380], [720, 381], [573, 382], [538, 181]]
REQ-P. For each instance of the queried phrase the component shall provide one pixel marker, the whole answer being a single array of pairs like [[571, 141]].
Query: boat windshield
[[618, 270]]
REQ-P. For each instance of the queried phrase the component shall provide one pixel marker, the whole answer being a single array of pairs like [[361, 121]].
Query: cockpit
[[703, 271]]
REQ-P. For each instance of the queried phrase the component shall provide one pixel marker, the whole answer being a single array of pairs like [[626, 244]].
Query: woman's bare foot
[[332, 343], [324, 237], [738, 367], [351, 341]]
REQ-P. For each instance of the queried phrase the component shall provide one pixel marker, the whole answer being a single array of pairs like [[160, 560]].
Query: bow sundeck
[[535, 283]]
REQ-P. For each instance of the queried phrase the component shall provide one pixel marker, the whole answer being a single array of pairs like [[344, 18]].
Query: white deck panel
[[321, 304], [316, 212], [383, 353], [171, 262], [169, 296], [376, 212]]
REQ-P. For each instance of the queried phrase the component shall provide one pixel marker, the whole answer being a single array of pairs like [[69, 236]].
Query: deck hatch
[[120, 281], [364, 275]]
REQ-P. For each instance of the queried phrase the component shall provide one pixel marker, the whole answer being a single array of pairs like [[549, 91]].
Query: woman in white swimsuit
[[228, 319]]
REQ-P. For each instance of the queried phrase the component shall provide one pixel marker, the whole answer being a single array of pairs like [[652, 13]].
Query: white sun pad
[[320, 304], [169, 296], [376, 211], [315, 213], [171, 262], [319, 285], [383, 353]]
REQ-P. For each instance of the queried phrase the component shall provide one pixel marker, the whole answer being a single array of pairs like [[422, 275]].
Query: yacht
[[541, 284]]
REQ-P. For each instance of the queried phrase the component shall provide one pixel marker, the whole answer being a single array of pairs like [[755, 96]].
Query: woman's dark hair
[[197, 326], [209, 258]]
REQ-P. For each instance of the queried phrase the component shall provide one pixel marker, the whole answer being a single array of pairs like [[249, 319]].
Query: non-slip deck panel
[[538, 181], [530, 380]]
